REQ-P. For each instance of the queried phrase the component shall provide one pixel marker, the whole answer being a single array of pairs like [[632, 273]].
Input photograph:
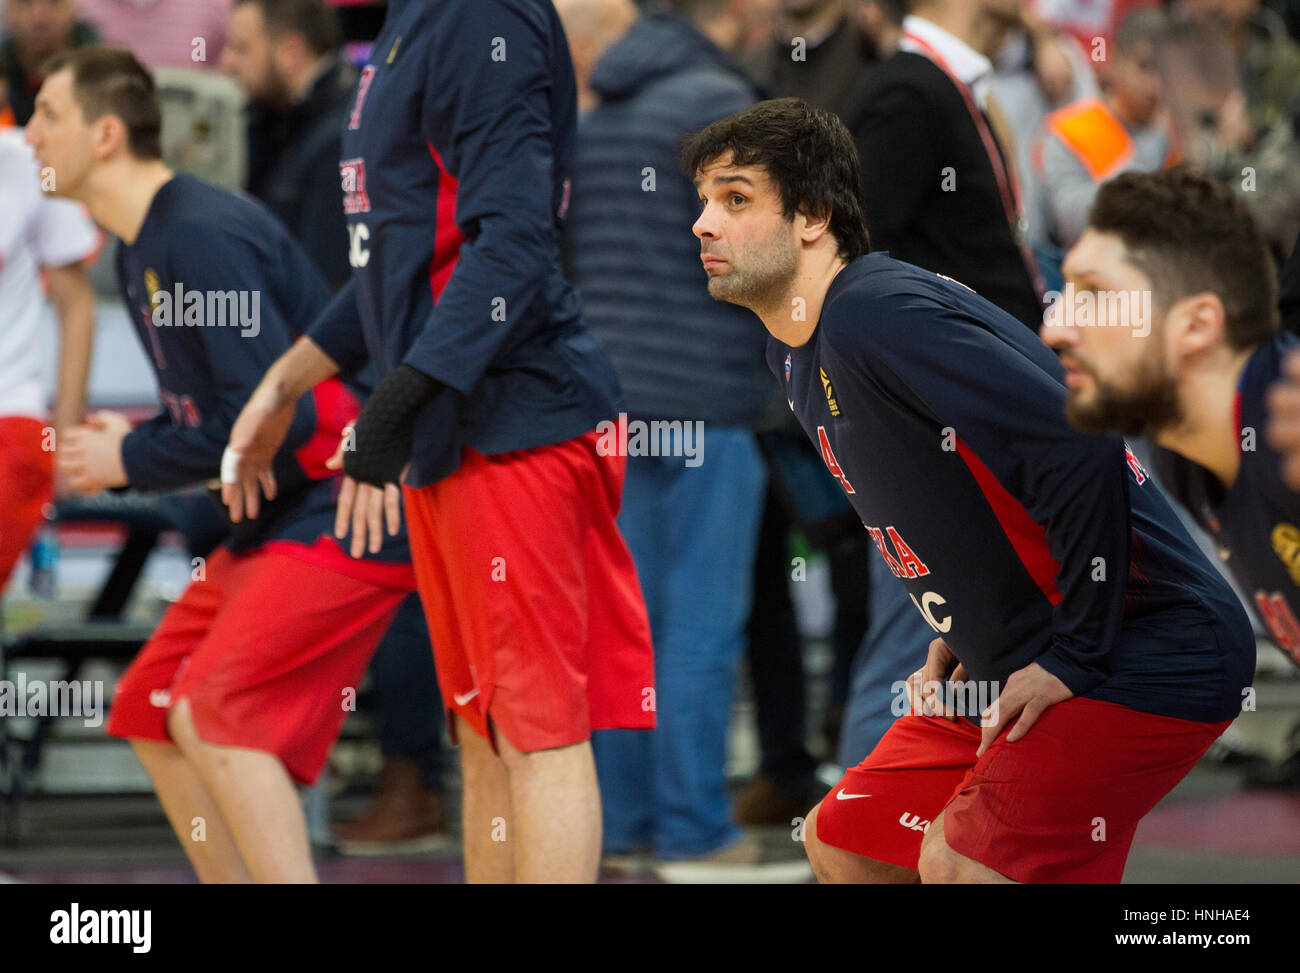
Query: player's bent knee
[[837, 866], [180, 724], [939, 864]]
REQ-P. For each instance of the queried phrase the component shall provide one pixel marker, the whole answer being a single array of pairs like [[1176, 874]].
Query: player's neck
[[794, 316], [1209, 435], [121, 192]]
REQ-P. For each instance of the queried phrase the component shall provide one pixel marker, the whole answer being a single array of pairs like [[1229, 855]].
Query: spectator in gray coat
[[692, 372]]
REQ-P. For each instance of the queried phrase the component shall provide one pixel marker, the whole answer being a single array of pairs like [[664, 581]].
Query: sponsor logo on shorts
[[844, 795], [161, 698], [913, 822], [463, 698]]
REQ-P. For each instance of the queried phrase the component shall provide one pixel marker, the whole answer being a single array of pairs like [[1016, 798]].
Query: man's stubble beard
[[763, 285], [1150, 408], [275, 95]]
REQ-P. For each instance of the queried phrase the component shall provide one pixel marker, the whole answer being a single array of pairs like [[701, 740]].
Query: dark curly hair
[[1189, 234], [807, 153]]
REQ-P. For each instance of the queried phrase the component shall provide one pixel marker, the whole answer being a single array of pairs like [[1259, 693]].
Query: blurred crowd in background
[[1064, 94]]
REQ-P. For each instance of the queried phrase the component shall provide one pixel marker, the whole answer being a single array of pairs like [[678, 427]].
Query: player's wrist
[[383, 433]]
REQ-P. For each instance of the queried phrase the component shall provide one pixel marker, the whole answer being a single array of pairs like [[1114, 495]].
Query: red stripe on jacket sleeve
[[1027, 537]]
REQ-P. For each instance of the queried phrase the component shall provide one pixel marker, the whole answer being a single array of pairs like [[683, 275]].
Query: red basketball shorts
[[1060, 804], [269, 648], [532, 599], [26, 486]]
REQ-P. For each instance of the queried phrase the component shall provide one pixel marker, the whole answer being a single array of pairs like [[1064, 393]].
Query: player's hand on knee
[[1283, 431], [1027, 694], [922, 695]]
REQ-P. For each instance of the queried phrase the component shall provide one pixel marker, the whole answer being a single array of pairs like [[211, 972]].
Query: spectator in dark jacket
[[691, 521], [818, 54], [938, 180], [283, 54]]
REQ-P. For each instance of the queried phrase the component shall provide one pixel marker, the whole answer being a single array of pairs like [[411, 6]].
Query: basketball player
[[1169, 329], [243, 687], [1105, 653], [454, 174]]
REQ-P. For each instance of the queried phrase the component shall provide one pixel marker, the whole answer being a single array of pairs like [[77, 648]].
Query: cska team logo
[[363, 88], [352, 180]]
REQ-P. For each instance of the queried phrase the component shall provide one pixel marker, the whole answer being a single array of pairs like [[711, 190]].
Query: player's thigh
[[1062, 803], [882, 808], [142, 696], [279, 666]]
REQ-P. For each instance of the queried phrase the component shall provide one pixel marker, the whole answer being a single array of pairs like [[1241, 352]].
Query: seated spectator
[[284, 55], [1088, 142], [162, 33], [35, 31]]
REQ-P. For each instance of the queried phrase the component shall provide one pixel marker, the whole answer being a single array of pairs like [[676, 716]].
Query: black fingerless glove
[[382, 433]]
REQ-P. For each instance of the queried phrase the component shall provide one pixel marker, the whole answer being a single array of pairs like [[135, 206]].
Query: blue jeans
[[408, 707], [692, 532], [895, 646]]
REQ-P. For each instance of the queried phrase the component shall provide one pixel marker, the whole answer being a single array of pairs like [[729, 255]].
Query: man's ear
[[1200, 322], [107, 136], [814, 225]]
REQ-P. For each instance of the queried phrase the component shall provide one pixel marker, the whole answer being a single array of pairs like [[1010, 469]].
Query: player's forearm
[[297, 371], [74, 303], [157, 455]]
